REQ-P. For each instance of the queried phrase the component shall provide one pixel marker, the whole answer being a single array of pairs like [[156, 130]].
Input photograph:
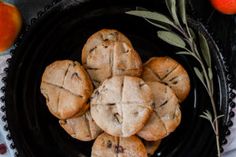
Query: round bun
[[109, 53], [170, 72], [101, 36], [67, 88], [109, 146], [166, 116], [122, 105]]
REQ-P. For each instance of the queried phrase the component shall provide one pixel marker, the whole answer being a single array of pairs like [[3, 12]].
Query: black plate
[[60, 34]]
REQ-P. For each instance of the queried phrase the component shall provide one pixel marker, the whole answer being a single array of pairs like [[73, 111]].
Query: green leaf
[[205, 49], [207, 115], [192, 33], [183, 53], [151, 15], [210, 74], [171, 38], [171, 5], [168, 4], [182, 10], [199, 75], [141, 8], [157, 25]]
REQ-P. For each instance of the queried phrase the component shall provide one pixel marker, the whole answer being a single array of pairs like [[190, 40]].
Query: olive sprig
[[174, 30]]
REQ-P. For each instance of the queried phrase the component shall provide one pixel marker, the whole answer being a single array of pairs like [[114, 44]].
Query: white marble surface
[[29, 9]]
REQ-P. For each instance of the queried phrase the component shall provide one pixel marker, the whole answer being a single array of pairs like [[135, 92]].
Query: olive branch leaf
[[208, 116], [176, 32]]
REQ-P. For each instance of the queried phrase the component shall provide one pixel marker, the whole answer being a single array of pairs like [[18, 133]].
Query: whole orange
[[225, 6], [10, 25]]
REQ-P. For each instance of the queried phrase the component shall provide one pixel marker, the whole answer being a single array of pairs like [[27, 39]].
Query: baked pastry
[[122, 105], [101, 36], [170, 72], [166, 116], [67, 88], [111, 57], [109, 146], [151, 146], [82, 127]]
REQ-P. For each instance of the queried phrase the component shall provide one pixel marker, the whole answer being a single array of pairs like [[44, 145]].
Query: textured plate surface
[[60, 34]]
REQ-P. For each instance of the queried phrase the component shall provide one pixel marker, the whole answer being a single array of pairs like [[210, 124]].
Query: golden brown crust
[[82, 128], [109, 146], [67, 88], [104, 56], [112, 59], [121, 105], [101, 36], [58, 69], [170, 72], [166, 116], [154, 129]]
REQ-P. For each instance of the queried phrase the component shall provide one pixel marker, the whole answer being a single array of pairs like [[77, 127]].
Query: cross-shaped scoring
[[109, 53], [67, 88], [166, 116], [122, 105]]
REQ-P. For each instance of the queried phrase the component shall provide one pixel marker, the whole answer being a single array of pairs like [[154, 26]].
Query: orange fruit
[[225, 6], [10, 25]]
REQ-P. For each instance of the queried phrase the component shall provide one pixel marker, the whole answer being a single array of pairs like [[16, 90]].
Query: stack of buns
[[126, 106]]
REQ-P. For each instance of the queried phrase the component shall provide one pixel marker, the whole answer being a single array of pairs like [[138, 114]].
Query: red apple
[[10, 25], [225, 6]]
